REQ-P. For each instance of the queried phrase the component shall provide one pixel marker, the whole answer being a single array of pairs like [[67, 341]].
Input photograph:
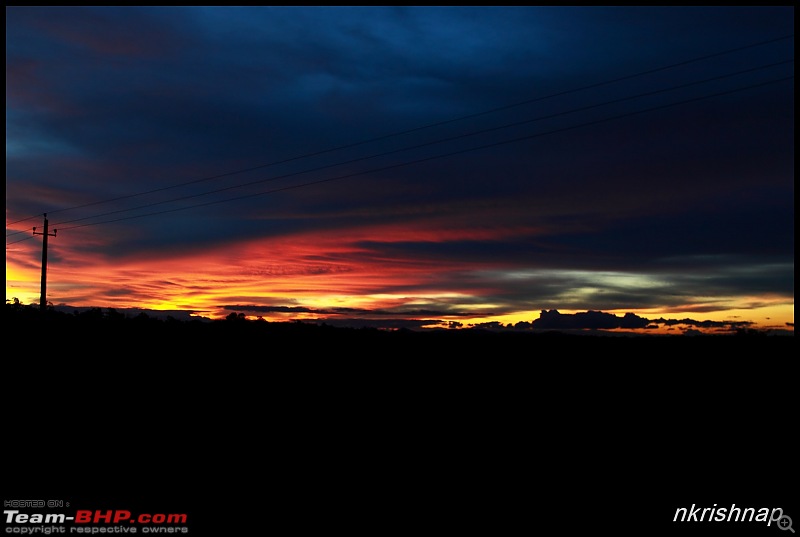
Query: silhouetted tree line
[[113, 329]]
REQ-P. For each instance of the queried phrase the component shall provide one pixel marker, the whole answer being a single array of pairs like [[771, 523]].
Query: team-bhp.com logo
[[88, 521], [734, 514]]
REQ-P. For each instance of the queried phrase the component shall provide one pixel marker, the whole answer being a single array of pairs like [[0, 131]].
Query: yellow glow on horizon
[[322, 273], [767, 316], [23, 283], [775, 316]]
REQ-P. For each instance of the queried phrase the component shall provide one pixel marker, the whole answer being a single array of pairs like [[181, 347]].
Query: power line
[[19, 240], [30, 218], [453, 153], [421, 145], [17, 231], [417, 129]]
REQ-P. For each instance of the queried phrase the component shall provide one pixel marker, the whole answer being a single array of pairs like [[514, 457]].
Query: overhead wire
[[449, 154], [416, 129], [421, 145]]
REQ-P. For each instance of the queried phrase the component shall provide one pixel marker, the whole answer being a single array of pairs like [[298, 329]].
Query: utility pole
[[43, 300]]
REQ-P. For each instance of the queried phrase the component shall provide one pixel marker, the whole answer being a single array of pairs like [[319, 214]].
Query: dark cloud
[[598, 320], [404, 311], [590, 319], [703, 324]]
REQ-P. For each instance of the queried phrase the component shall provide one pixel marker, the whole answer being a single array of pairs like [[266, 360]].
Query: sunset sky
[[406, 166]]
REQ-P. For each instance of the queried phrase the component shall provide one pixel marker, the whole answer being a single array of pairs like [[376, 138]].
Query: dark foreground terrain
[[249, 426]]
